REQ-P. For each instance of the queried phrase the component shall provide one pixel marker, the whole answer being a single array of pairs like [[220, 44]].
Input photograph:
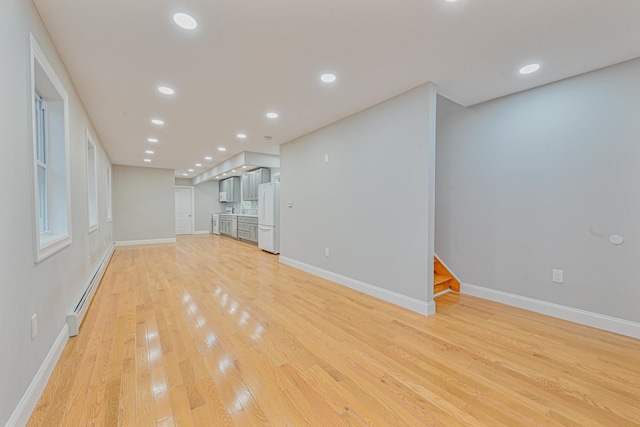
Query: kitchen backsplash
[[249, 207]]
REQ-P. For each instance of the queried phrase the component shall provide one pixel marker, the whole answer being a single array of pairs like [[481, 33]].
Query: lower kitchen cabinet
[[248, 228], [228, 225]]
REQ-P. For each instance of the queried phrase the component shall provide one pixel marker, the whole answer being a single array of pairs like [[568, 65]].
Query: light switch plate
[[557, 276], [34, 326]]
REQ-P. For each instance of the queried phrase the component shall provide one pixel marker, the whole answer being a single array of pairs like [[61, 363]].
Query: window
[[108, 192], [92, 183], [40, 114], [50, 135]]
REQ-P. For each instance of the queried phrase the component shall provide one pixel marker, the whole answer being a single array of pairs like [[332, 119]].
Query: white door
[[183, 211]]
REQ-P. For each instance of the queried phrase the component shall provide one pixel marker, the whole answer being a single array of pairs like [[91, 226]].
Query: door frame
[[193, 210]]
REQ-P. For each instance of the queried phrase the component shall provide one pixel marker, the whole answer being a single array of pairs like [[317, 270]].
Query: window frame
[[108, 193], [42, 151], [92, 183], [58, 203]]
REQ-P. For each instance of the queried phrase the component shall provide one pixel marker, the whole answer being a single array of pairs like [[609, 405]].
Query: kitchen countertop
[[237, 214]]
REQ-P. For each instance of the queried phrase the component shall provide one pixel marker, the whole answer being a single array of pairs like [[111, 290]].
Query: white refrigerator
[[269, 217]]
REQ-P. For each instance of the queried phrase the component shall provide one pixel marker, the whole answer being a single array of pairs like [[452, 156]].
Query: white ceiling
[[248, 57]]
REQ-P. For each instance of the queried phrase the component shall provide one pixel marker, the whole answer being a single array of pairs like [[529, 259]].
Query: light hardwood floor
[[214, 332]]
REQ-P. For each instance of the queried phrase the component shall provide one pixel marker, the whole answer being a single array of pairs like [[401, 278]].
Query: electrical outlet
[[326, 158], [557, 276], [34, 326], [326, 251]]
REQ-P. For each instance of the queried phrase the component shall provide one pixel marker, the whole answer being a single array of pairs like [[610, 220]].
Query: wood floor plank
[[214, 332], [145, 405], [191, 385], [127, 408], [181, 407]]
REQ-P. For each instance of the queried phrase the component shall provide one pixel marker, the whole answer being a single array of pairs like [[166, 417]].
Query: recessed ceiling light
[[241, 135], [198, 165], [157, 121], [244, 166], [154, 140], [224, 174], [147, 160], [222, 149], [185, 174], [528, 69], [233, 171], [190, 170], [272, 115], [185, 21], [149, 151], [328, 78], [166, 90], [208, 158], [218, 177]]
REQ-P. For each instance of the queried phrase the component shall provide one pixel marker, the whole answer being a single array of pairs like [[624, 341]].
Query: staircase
[[443, 279]]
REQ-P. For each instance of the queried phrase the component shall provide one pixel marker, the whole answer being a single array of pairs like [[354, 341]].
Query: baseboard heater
[[74, 320]]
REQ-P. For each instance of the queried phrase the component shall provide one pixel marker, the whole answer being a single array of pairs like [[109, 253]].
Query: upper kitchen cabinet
[[229, 190], [251, 181]]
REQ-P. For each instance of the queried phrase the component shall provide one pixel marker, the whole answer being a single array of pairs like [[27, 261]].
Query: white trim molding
[[410, 303], [145, 242], [92, 182], [59, 235], [583, 317], [202, 232], [29, 400]]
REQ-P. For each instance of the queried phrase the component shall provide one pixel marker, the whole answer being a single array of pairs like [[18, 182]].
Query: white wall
[[143, 204], [369, 203], [206, 202], [540, 180], [53, 287]]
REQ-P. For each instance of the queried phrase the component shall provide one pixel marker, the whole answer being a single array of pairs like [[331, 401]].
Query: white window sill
[[51, 244]]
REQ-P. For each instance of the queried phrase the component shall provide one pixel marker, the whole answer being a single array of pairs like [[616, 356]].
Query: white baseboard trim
[[29, 400], [202, 232], [595, 320], [145, 242], [423, 307]]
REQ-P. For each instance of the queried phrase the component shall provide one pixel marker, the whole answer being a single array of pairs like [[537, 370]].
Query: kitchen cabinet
[[251, 181], [228, 225], [248, 228], [229, 190]]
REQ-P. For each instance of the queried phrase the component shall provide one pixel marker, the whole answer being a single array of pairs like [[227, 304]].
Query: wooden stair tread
[[443, 276], [440, 278]]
